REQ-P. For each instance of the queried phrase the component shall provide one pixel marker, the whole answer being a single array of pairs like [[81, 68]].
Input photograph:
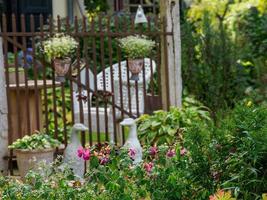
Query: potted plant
[[58, 50], [31, 150], [136, 48]]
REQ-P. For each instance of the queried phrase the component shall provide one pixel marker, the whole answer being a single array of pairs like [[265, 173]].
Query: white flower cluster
[[59, 46], [136, 46]]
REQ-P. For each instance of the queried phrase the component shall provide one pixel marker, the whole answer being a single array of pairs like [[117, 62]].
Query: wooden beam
[[3, 115], [171, 81]]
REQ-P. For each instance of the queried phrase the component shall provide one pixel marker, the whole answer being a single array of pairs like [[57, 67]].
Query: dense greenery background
[[224, 51]]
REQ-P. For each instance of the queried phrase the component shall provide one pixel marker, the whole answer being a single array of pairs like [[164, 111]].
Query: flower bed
[[226, 161]]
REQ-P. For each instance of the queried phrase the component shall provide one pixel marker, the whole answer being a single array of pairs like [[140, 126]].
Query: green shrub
[[223, 45], [35, 141], [95, 6], [166, 127], [227, 160], [243, 137]]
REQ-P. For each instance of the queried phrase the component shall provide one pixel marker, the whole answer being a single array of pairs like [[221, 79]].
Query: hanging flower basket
[[136, 48], [61, 67], [135, 67], [59, 49]]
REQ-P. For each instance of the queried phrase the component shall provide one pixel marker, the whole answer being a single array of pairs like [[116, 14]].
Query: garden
[[212, 147]]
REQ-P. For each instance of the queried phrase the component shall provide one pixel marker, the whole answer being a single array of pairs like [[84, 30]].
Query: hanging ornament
[[140, 16]]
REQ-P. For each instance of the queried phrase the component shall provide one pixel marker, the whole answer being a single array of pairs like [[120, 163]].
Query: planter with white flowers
[[33, 149], [58, 50], [136, 48]]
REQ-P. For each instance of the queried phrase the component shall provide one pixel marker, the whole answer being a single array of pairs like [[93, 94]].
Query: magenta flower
[[103, 160], [183, 151], [148, 167], [80, 152], [153, 151], [83, 153], [170, 153], [132, 153], [86, 154]]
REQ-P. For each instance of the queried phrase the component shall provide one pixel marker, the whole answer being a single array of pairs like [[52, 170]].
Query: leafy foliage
[[35, 141], [227, 161], [241, 137], [223, 45], [62, 121], [165, 127], [253, 29], [217, 68], [93, 6]]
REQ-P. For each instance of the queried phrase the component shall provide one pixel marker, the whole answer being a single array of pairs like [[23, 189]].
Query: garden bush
[[223, 45], [207, 161], [166, 127]]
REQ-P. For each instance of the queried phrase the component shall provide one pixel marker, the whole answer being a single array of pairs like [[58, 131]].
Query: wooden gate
[[97, 92]]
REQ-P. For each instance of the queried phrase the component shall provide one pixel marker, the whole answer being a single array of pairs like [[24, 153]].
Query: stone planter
[[61, 67], [12, 77], [135, 67], [28, 159]]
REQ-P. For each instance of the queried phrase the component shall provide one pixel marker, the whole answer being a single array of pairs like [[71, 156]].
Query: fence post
[[171, 76], [3, 114]]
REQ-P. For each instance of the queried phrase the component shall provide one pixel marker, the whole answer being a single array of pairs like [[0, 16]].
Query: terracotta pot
[[135, 67], [61, 67], [28, 159], [12, 77]]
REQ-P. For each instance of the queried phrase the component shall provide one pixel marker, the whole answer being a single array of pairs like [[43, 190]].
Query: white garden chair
[[117, 97]]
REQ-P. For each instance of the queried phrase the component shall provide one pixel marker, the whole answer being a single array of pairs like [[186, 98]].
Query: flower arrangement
[[33, 149], [35, 141], [58, 46], [136, 46]]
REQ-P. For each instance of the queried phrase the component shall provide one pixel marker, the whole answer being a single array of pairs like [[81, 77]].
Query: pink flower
[[153, 151], [83, 153], [103, 160], [183, 151], [148, 167], [170, 153], [86, 154], [132, 153], [80, 152]]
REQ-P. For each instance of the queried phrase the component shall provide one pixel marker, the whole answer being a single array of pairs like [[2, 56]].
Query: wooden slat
[[95, 79], [37, 97], [15, 50], [102, 62], [5, 51]]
